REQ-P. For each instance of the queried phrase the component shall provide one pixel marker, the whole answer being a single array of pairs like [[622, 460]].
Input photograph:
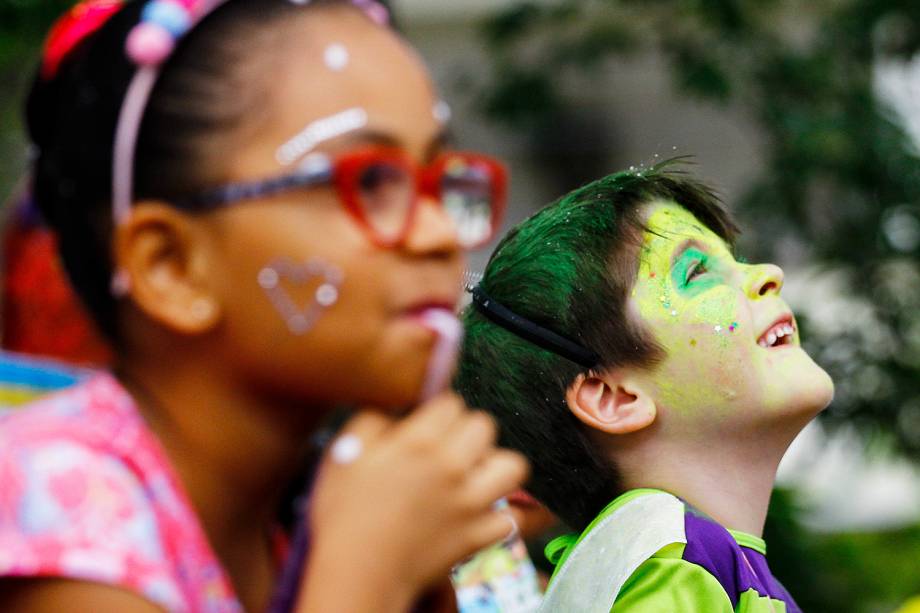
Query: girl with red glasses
[[254, 201]]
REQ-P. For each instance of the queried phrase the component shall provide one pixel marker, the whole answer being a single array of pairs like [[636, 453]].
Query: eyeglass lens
[[467, 196], [386, 190], [385, 193]]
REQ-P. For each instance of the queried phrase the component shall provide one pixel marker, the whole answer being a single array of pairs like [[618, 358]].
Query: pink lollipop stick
[[444, 355]]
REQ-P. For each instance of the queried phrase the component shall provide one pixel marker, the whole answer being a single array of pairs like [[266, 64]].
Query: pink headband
[[149, 44], [163, 23]]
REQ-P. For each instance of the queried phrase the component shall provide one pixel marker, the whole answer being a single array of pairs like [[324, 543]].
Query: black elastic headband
[[530, 331]]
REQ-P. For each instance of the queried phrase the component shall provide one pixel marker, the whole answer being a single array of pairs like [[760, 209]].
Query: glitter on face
[[336, 57], [710, 348]]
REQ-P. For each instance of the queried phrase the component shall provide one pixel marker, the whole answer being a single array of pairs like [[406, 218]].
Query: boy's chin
[[807, 393]]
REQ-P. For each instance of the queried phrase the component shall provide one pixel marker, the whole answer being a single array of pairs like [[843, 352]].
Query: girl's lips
[[523, 499], [420, 308]]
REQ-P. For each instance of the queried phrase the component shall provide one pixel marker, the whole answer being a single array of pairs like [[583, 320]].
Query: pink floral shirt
[[86, 492]]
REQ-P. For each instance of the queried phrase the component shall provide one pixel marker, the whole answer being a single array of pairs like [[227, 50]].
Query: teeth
[[775, 335]]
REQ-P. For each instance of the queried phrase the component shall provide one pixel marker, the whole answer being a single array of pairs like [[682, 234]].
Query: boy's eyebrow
[[684, 246]]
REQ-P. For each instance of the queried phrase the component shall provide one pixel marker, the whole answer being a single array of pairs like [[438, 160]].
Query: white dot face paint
[[346, 449], [336, 57], [442, 112], [321, 130], [268, 278], [327, 295]]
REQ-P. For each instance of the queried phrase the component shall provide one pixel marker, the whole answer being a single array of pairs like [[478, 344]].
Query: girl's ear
[[165, 258], [614, 402]]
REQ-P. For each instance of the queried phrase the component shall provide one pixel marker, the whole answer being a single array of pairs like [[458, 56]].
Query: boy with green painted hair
[[654, 382]]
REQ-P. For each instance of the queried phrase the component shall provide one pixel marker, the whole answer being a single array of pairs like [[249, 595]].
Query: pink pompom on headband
[[149, 44]]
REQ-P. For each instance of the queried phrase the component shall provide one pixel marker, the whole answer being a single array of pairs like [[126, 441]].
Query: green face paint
[[694, 272], [708, 314]]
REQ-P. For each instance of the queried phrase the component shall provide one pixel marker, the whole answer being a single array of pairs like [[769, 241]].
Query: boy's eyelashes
[[696, 269]]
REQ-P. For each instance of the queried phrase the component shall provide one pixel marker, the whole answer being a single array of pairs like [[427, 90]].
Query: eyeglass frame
[[342, 171]]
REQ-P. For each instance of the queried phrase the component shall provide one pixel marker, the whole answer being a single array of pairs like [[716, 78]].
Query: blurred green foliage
[[23, 24], [842, 179], [858, 572]]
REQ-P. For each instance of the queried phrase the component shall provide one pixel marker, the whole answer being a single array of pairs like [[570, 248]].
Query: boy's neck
[[730, 481]]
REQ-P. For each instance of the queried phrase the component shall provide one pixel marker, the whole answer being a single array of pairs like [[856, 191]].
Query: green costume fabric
[[698, 565]]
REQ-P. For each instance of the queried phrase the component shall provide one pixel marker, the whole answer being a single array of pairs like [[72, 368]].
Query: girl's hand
[[417, 500]]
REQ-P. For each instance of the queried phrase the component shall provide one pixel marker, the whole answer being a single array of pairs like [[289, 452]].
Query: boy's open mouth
[[779, 334]]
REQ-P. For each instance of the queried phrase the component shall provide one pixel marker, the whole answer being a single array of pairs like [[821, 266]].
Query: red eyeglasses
[[381, 189]]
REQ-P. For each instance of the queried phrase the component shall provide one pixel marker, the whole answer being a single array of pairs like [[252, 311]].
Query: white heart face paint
[[299, 319], [319, 131], [336, 57]]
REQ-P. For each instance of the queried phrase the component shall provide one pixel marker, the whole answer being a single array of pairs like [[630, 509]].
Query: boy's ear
[[166, 263], [614, 402]]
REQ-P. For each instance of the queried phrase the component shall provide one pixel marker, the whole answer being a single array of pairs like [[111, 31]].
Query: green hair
[[570, 268]]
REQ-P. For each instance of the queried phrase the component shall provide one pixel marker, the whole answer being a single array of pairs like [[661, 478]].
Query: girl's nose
[[764, 280], [433, 230]]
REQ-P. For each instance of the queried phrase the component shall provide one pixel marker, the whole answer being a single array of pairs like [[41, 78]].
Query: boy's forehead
[[670, 227]]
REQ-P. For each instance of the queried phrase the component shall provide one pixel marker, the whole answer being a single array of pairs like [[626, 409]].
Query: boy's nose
[[764, 280], [433, 230]]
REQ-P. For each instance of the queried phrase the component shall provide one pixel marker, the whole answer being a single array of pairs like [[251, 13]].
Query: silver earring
[[121, 283], [202, 308]]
